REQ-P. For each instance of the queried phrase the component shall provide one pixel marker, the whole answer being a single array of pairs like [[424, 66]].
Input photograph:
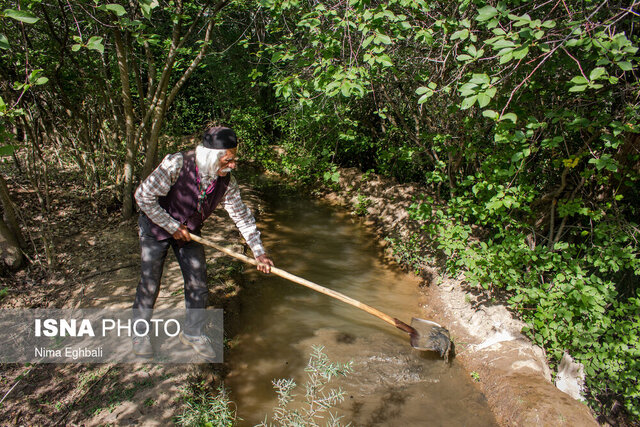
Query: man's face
[[228, 162]]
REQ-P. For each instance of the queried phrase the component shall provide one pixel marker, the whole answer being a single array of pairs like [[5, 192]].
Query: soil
[[510, 371]]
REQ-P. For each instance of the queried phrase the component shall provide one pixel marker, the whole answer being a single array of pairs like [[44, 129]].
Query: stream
[[279, 323]]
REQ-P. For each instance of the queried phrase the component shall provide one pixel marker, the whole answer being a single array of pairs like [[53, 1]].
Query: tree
[[139, 50], [153, 47]]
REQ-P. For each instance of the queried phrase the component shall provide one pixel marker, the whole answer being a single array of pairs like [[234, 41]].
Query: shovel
[[425, 334]]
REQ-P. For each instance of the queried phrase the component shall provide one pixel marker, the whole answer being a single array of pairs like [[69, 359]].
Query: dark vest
[[182, 200]]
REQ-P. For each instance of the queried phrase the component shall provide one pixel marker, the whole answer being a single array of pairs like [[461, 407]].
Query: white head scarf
[[208, 162]]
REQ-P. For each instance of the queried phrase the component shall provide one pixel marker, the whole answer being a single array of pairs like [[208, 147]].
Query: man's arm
[[158, 184], [243, 218]]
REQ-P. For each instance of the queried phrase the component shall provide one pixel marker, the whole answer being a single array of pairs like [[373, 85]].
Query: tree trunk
[[127, 190], [10, 214], [10, 254], [151, 157]]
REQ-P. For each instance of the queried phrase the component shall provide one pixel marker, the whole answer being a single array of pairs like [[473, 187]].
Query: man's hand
[[264, 263], [182, 233]]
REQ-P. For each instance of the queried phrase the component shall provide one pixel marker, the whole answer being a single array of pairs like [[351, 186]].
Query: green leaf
[[579, 80], [502, 43], [624, 65], [116, 8], [486, 13], [382, 39], [460, 34], [76, 47], [480, 79], [472, 50], [385, 60], [605, 162], [468, 89], [468, 102], [596, 73], [424, 97], [483, 100], [521, 53], [510, 116], [41, 81], [367, 41], [463, 58], [95, 43], [21, 15], [490, 114], [579, 88], [346, 88], [506, 58], [4, 42], [146, 6], [422, 90], [7, 150], [573, 42], [276, 57]]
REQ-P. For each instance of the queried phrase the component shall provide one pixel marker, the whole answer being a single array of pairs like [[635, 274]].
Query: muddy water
[[391, 384]]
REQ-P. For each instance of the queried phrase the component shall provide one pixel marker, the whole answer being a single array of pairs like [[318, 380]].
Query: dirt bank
[[509, 369]]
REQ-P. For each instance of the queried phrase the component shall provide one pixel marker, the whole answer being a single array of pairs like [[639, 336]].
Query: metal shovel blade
[[430, 336]]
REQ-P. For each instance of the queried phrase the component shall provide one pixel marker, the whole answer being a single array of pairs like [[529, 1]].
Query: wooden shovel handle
[[304, 282]]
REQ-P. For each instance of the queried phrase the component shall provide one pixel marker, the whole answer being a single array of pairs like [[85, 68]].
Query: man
[[175, 200]]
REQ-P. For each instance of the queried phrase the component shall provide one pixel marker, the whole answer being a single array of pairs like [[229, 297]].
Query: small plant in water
[[475, 376], [317, 399]]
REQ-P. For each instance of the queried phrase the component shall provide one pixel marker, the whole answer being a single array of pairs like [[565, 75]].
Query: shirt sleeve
[[243, 218], [158, 184]]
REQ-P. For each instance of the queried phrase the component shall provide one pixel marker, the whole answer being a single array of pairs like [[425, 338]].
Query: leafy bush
[[578, 297]]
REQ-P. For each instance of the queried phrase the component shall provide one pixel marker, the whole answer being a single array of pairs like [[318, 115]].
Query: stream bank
[[511, 371]]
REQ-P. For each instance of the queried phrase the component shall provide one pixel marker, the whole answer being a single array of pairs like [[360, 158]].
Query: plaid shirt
[[162, 179]]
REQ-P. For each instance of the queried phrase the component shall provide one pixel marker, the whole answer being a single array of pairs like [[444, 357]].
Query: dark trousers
[[194, 271]]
